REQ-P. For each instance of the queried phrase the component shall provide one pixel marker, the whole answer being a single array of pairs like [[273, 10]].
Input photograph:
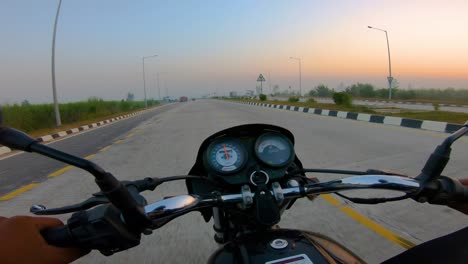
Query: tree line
[[366, 90]]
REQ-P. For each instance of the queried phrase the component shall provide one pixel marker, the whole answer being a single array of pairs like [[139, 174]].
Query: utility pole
[[300, 74], [269, 81], [144, 79], [159, 89], [58, 121]]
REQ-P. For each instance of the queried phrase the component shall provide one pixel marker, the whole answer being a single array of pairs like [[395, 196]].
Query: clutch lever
[[134, 187], [147, 184], [89, 203]]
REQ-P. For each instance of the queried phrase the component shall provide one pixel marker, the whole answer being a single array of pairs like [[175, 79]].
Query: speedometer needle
[[226, 152]]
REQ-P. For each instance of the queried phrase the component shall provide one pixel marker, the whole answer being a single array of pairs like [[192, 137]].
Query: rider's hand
[[462, 207], [22, 242]]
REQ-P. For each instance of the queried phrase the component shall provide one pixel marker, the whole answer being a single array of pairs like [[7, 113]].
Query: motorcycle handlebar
[[170, 208], [112, 235]]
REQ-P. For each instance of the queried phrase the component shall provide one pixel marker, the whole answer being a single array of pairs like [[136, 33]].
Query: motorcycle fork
[[219, 225]]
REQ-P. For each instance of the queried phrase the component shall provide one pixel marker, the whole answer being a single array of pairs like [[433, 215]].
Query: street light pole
[[58, 121], [300, 74], [144, 80], [389, 78]]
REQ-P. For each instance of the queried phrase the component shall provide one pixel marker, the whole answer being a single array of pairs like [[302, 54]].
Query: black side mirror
[[15, 139]]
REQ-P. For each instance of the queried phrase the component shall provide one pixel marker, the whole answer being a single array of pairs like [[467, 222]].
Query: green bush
[[311, 101], [322, 91], [262, 97], [436, 106], [293, 99], [342, 98]]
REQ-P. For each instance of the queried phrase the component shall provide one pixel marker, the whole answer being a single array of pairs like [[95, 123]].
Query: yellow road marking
[[130, 135], [377, 228], [59, 172], [89, 156], [18, 191], [331, 199], [105, 148], [133, 133], [25, 188], [67, 168], [384, 232]]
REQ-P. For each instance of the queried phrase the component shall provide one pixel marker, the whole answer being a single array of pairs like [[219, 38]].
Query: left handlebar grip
[[100, 228], [58, 236]]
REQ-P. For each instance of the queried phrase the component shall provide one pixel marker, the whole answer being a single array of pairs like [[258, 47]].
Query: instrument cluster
[[241, 160]]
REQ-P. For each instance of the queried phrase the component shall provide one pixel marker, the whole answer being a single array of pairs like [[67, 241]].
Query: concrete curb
[[385, 120], [46, 138], [414, 103]]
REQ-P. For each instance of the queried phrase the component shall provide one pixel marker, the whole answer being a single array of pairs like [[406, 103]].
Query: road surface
[[15, 174], [167, 143]]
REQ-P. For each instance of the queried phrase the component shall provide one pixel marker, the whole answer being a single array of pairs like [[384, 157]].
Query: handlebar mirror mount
[[441, 156]]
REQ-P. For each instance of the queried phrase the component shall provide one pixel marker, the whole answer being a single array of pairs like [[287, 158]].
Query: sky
[[221, 46]]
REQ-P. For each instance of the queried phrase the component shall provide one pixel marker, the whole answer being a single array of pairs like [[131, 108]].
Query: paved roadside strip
[[61, 171], [385, 120], [365, 221], [47, 138]]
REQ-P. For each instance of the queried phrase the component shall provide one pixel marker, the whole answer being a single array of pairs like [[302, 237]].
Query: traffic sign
[[260, 78]]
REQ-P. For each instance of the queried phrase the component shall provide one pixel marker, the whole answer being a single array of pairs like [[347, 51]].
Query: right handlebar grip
[[449, 191], [58, 236], [464, 197]]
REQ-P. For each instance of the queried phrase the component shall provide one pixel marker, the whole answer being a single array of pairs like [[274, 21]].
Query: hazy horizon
[[206, 47]]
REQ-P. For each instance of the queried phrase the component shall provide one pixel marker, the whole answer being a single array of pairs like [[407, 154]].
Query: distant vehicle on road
[[183, 99]]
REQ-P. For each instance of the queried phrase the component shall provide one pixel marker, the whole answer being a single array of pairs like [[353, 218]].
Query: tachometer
[[274, 149], [226, 156]]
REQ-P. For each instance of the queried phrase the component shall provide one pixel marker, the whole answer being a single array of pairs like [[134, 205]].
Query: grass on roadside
[[428, 101], [441, 116], [53, 130], [37, 119]]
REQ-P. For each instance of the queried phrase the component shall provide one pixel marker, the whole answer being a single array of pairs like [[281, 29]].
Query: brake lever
[[87, 204]]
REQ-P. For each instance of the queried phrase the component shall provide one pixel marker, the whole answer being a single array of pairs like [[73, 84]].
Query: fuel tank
[[283, 246]]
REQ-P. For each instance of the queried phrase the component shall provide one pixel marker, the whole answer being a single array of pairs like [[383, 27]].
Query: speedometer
[[226, 156], [274, 149]]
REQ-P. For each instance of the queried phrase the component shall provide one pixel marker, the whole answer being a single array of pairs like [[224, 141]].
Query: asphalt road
[[22, 169], [167, 144]]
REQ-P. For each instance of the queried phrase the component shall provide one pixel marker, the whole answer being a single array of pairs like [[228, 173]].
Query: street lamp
[[144, 81], [300, 74], [389, 78], [58, 122]]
